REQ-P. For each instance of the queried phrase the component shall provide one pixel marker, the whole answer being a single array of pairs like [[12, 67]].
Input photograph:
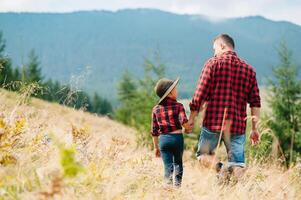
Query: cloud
[[273, 9]]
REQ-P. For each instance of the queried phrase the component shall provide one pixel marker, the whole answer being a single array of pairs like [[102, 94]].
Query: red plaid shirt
[[167, 117], [226, 81]]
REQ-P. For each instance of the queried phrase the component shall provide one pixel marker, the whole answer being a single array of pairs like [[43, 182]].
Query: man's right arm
[[201, 93], [192, 116]]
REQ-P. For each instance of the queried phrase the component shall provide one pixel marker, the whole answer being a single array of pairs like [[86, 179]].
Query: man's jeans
[[172, 147], [235, 147]]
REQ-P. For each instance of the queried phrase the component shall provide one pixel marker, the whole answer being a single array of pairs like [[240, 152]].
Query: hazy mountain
[[111, 42]]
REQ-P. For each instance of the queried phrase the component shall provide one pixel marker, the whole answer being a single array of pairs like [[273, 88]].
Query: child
[[168, 118]]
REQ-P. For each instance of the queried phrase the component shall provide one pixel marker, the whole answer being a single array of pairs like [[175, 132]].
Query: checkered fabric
[[226, 81], [167, 117]]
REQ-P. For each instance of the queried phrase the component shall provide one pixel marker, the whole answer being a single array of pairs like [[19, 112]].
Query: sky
[[288, 10]]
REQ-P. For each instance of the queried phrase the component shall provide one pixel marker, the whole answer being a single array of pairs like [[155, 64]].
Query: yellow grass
[[114, 168]]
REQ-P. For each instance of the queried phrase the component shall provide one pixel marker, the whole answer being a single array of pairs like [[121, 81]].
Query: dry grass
[[113, 168]]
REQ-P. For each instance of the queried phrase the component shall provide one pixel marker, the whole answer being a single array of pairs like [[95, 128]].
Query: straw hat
[[164, 86]]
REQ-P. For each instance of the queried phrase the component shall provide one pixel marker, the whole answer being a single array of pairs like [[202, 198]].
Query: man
[[225, 86]]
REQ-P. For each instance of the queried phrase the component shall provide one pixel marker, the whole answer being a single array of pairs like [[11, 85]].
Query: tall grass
[[53, 139]]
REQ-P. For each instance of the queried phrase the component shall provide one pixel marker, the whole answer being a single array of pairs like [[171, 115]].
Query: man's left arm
[[254, 136], [255, 104]]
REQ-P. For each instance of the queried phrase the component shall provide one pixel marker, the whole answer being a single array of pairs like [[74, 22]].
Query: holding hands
[[188, 127], [190, 124]]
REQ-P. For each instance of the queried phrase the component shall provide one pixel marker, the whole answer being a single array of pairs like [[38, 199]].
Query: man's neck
[[225, 50], [171, 98]]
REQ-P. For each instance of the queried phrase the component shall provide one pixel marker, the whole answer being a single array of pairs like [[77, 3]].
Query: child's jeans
[[171, 148]]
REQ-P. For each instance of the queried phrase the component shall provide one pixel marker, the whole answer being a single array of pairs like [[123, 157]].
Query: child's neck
[[172, 97]]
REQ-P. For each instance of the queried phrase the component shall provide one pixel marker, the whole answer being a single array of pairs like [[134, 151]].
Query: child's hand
[[187, 131], [187, 128], [157, 152]]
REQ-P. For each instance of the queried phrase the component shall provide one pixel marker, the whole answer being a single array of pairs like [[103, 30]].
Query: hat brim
[[169, 90]]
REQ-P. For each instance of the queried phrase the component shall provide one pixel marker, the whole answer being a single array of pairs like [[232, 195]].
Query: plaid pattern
[[226, 81], [167, 117]]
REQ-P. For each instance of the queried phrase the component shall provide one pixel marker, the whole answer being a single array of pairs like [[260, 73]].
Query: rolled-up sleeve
[[203, 88], [155, 125], [254, 96]]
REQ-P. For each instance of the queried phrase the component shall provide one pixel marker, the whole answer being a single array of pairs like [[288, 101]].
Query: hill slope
[[111, 42], [114, 168]]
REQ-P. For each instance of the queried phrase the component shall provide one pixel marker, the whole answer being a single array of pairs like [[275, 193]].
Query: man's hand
[[254, 137], [187, 127], [157, 152], [192, 116]]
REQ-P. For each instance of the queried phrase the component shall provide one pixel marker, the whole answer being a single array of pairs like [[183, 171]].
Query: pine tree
[[127, 87], [6, 75], [55, 91], [82, 101], [2, 45], [138, 97], [33, 71], [105, 107], [100, 105], [127, 93], [96, 103], [49, 91], [6, 72], [286, 105], [17, 74], [32, 75]]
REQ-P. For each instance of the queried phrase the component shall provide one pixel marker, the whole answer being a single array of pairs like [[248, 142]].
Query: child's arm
[[155, 134], [184, 121], [156, 146]]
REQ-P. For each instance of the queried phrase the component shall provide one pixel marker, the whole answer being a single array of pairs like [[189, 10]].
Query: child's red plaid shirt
[[226, 81], [167, 117]]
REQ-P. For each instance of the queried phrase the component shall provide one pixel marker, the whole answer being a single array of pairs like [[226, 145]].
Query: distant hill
[[111, 42]]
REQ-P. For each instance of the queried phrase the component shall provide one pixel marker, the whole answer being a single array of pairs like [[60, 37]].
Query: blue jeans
[[235, 147], [171, 148]]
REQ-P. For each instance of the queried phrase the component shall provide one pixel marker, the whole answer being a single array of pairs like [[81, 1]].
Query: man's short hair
[[226, 39]]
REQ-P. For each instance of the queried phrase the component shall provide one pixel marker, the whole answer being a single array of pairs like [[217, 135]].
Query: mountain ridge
[[150, 9], [114, 41]]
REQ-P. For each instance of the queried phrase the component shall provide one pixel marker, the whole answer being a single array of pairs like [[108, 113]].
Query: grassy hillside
[[112, 167], [111, 42]]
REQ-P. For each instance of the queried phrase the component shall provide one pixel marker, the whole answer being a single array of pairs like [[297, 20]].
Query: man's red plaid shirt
[[167, 117], [226, 81]]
